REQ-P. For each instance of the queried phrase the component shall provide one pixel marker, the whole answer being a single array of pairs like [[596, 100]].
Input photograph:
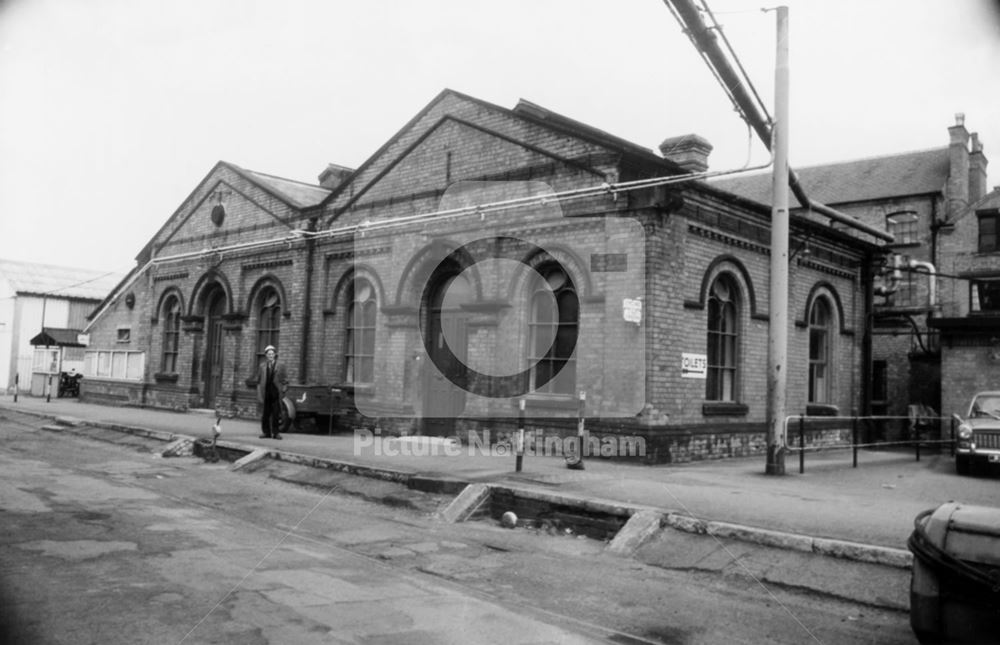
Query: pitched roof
[[556, 121], [60, 281], [297, 193], [908, 173], [58, 337]]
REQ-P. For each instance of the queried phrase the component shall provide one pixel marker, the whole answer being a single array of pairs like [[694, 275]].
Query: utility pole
[[777, 341]]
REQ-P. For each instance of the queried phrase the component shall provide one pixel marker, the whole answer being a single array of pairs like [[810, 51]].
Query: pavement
[[864, 513]]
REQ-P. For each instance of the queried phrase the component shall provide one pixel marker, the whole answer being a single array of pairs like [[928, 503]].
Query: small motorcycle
[[69, 384]]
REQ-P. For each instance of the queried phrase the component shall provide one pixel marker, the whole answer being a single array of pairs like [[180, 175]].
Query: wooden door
[[444, 396], [212, 373]]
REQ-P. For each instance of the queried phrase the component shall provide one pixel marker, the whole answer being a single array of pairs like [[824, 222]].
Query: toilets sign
[[694, 365]]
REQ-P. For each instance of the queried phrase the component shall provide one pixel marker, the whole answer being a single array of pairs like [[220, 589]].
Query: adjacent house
[[969, 324], [484, 261], [935, 204], [33, 296]]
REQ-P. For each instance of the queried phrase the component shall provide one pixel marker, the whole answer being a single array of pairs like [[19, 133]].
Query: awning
[[55, 337]]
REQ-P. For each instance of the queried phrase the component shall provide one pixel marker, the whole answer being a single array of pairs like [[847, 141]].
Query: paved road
[[873, 504], [111, 544]]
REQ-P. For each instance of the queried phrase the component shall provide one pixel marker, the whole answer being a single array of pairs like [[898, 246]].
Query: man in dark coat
[[272, 381]]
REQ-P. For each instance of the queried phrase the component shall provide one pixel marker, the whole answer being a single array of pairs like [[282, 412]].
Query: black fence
[[805, 434]]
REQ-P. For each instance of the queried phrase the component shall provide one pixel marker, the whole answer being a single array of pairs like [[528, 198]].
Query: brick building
[[969, 324], [482, 257], [928, 200]]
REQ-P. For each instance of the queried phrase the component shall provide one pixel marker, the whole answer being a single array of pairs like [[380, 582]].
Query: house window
[[984, 296], [906, 289], [268, 321], [552, 332], [820, 322], [903, 226], [115, 364], [723, 341], [124, 334], [988, 230], [45, 360], [171, 335], [360, 348]]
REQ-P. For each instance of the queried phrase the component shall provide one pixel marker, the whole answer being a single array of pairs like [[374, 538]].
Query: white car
[[978, 435]]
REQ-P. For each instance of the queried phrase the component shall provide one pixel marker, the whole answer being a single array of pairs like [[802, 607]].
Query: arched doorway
[[446, 341], [215, 307]]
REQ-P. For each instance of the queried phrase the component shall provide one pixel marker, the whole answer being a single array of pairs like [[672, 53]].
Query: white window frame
[[45, 360], [114, 364]]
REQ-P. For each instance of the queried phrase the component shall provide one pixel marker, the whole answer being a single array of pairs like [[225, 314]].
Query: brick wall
[[631, 374]]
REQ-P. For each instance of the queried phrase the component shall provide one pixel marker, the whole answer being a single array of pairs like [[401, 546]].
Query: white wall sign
[[694, 365], [632, 310]]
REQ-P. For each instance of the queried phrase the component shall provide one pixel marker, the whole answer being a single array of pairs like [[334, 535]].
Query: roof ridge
[[832, 164], [874, 157], [25, 263], [288, 179]]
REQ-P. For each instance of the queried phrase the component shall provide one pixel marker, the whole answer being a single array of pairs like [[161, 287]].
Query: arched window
[[553, 327], [171, 318], [360, 347], [820, 321], [268, 320], [723, 341]]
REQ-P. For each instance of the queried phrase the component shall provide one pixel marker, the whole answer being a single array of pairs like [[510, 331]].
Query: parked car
[[978, 435]]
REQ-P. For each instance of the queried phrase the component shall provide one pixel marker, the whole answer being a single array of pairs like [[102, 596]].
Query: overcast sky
[[111, 111]]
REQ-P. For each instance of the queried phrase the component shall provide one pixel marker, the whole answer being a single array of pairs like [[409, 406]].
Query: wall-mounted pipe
[[932, 279]]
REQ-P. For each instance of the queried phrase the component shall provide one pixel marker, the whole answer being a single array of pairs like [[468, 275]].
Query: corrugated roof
[[909, 173], [66, 282], [298, 193]]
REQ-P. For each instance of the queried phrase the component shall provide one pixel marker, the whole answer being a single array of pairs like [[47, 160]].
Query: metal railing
[[867, 432]]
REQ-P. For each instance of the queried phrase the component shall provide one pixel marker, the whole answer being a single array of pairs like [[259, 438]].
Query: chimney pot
[[958, 168], [689, 151], [977, 170]]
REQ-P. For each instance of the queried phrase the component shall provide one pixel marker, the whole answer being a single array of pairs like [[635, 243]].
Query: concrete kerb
[[641, 531], [886, 556], [419, 481]]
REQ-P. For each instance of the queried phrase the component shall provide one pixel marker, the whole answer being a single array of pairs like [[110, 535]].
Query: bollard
[[48, 395], [916, 437], [576, 461], [802, 444], [17, 378], [519, 447], [854, 440]]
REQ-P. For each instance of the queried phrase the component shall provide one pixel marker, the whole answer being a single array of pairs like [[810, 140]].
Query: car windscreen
[[986, 406]]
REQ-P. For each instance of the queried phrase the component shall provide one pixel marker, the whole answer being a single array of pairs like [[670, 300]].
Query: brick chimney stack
[[334, 175], [689, 151], [957, 192], [977, 170]]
